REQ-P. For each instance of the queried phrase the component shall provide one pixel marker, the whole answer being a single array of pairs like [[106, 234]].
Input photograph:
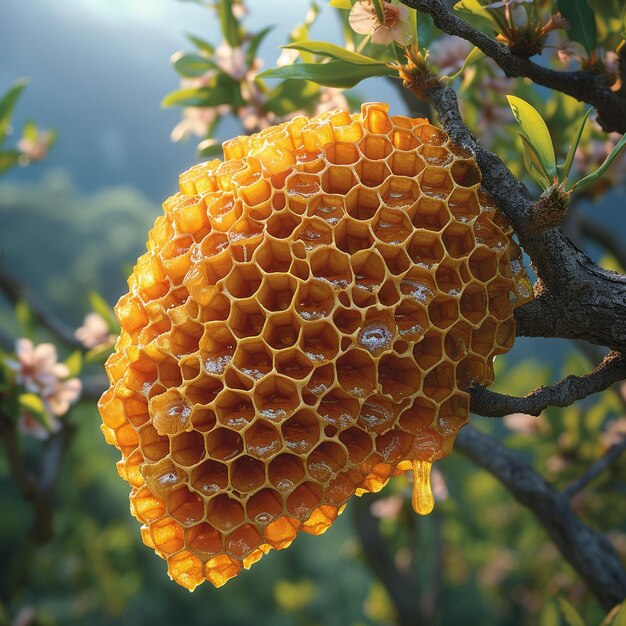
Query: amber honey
[[305, 324]]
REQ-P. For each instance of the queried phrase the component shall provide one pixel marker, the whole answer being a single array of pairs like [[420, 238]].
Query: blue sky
[[99, 69]]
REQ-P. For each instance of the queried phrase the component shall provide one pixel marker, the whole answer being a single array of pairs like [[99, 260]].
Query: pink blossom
[[232, 61], [449, 54], [387, 508], [35, 148], [395, 26], [94, 331], [615, 433], [438, 485], [522, 423], [507, 3], [331, 99], [37, 369], [29, 425]]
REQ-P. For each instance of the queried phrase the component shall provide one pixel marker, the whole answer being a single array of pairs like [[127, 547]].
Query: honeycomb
[[305, 324]]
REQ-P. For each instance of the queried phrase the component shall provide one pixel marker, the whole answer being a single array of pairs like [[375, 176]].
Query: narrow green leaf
[[331, 74], [620, 618], [292, 95], [7, 105], [30, 131], [533, 164], [225, 91], [102, 308], [472, 57], [380, 10], [335, 52], [99, 354], [591, 178], [582, 22], [74, 363], [474, 7], [255, 42], [8, 160], [210, 148], [229, 24], [26, 318], [536, 132], [202, 44], [569, 160], [192, 65], [571, 615], [34, 405], [340, 4]]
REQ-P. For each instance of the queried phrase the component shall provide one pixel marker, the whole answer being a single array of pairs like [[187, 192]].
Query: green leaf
[[335, 52], [9, 159], [99, 353], [292, 95], [34, 405], [30, 131], [472, 57], [102, 308], [26, 318], [474, 7], [192, 65], [7, 105], [620, 618], [331, 74], [536, 132], [229, 24], [210, 148], [340, 4], [74, 363], [582, 22], [380, 10], [202, 44], [587, 180], [571, 615], [533, 164], [255, 42], [224, 91], [569, 160]]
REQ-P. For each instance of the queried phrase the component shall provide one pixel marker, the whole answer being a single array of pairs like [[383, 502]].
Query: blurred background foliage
[[75, 223]]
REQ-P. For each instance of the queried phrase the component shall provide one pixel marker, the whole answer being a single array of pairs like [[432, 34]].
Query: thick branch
[[575, 298], [590, 87], [563, 393], [588, 551]]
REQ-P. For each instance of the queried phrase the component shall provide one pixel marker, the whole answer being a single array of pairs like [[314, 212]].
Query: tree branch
[[575, 298], [16, 291], [587, 551], [563, 393], [601, 465], [401, 587], [591, 87]]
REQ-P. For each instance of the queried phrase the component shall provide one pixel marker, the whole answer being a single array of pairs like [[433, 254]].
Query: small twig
[[37, 488], [15, 291], [600, 466], [591, 87], [588, 551], [564, 393], [401, 587]]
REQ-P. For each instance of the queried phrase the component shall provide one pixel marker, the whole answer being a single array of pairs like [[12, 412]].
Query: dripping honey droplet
[[422, 500]]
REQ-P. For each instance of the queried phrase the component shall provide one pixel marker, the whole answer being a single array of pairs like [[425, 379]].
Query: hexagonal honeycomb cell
[[305, 324]]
